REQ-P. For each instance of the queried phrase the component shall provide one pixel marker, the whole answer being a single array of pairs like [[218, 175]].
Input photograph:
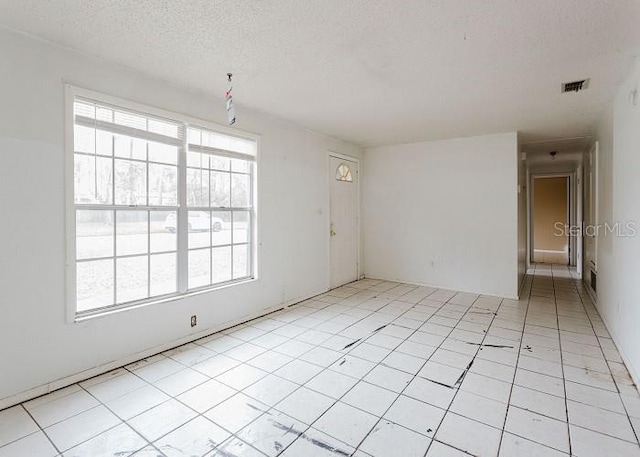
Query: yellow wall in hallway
[[550, 207]]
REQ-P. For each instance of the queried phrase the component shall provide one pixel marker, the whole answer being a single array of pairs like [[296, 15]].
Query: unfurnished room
[[319, 228]]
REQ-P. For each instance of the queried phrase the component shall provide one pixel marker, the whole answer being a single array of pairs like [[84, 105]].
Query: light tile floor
[[373, 368]]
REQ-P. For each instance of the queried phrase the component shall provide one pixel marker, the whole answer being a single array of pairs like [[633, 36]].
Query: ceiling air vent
[[575, 86]]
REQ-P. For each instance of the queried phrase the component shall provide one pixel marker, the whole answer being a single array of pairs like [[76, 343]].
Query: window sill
[[103, 312]]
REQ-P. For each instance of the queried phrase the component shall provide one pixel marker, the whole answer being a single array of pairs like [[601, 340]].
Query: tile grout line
[[414, 376], [464, 372], [515, 371], [122, 421], [464, 375], [235, 435], [362, 379], [41, 429], [381, 417], [564, 380]]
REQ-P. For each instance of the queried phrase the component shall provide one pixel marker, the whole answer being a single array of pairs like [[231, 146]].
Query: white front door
[[343, 228]]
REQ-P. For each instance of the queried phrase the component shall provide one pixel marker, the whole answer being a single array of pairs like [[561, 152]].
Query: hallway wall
[[618, 262]]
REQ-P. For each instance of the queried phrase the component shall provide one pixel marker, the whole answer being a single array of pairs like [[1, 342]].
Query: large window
[[161, 207]]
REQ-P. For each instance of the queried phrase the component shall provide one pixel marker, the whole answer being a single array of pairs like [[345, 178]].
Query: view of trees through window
[[128, 193]]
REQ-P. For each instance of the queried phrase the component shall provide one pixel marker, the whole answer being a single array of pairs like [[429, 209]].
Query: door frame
[[594, 198], [591, 175], [330, 178], [531, 208], [579, 219]]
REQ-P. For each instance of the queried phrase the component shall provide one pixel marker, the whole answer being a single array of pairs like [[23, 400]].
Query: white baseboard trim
[[632, 372], [30, 394], [523, 281], [592, 296], [634, 375], [422, 284]]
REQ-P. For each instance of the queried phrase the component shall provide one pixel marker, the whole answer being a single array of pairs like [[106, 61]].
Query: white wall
[[618, 294], [444, 213], [37, 346]]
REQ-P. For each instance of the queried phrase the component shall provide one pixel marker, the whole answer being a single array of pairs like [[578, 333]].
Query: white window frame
[[74, 92]]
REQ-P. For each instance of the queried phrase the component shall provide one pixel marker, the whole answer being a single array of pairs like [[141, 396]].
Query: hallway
[[373, 368], [601, 400]]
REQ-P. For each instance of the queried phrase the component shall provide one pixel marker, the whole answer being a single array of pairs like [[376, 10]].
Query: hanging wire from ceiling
[[231, 111]]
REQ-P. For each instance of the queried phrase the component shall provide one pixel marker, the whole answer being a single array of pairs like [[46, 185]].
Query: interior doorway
[[343, 229], [551, 242]]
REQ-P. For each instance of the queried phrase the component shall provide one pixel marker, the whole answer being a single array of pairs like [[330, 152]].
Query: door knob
[[332, 231]]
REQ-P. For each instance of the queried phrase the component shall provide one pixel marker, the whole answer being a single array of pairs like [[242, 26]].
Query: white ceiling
[[369, 71]]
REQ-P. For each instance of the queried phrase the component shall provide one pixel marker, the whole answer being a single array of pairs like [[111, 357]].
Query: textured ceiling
[[369, 71]]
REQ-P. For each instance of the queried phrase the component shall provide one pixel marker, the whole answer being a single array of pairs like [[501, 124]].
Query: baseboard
[[101, 369], [523, 281], [550, 256], [634, 375], [592, 296], [421, 284]]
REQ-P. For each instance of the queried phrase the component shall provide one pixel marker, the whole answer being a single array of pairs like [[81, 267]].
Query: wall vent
[[575, 86]]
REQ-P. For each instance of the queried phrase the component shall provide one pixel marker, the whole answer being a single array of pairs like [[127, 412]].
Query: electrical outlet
[[194, 321]]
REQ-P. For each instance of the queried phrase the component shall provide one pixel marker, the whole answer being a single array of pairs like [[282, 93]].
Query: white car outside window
[[198, 221]]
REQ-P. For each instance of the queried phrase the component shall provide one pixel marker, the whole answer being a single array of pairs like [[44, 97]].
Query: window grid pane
[[126, 242], [229, 238]]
